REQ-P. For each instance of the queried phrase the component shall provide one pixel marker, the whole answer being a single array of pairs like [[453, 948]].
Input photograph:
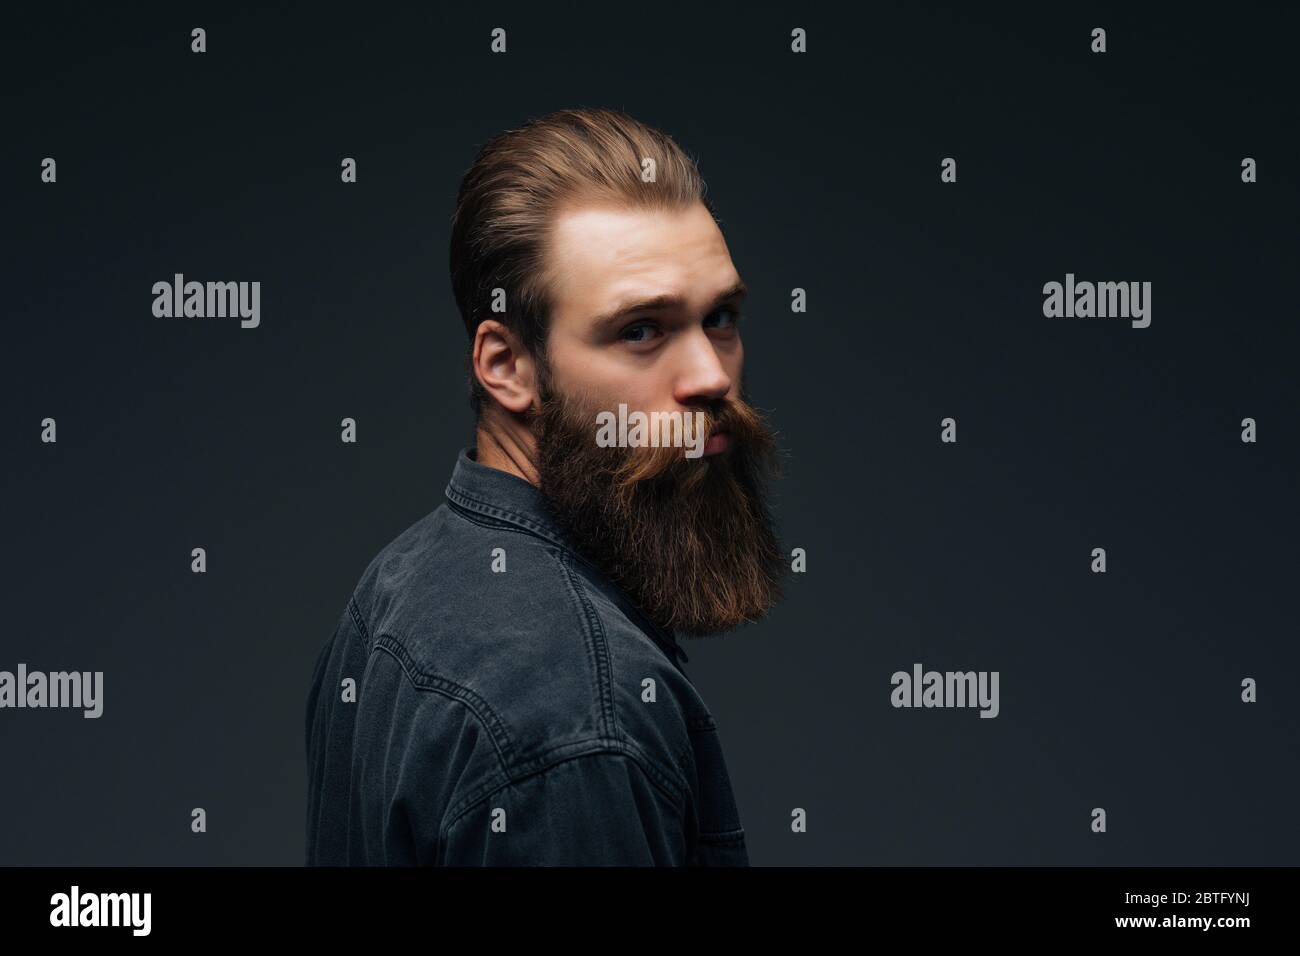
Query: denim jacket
[[490, 698]]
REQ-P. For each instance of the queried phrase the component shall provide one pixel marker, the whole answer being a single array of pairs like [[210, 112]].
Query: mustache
[[750, 438]]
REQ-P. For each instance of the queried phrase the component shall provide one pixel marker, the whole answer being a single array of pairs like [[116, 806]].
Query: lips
[[719, 441]]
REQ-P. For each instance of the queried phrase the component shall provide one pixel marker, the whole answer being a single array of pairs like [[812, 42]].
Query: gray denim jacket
[[511, 707]]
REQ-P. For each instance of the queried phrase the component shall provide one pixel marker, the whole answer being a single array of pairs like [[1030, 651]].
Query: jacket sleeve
[[598, 809]]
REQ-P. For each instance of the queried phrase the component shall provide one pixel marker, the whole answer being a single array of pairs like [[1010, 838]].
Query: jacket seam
[[426, 681], [701, 723], [358, 620], [597, 647], [473, 502], [592, 747], [496, 524]]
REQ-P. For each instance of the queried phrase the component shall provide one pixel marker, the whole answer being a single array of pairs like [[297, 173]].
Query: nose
[[701, 376]]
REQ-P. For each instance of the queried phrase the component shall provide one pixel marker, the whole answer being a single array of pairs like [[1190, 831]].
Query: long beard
[[689, 539]]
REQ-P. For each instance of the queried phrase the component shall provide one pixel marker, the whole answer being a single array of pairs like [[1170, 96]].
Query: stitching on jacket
[[701, 722], [734, 837], [359, 621], [496, 524], [579, 590], [476, 705], [594, 746], [475, 503], [597, 647]]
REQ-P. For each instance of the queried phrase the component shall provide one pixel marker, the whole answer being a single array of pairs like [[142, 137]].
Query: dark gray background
[[1118, 690]]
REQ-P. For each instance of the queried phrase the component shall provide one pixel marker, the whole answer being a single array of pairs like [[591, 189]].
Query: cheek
[[638, 392], [601, 381]]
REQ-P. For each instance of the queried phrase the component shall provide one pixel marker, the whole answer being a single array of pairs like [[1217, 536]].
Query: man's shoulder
[[506, 631]]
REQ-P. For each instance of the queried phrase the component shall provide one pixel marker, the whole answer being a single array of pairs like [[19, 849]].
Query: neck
[[508, 447]]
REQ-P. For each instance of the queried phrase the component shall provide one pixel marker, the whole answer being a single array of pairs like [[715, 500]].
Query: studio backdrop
[[1021, 311]]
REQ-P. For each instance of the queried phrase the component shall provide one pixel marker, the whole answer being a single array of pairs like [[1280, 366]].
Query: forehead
[[599, 257]]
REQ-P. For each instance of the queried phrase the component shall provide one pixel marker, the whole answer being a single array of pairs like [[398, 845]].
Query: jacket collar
[[499, 494]]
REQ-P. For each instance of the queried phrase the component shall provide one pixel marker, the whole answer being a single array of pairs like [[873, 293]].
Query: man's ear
[[504, 367]]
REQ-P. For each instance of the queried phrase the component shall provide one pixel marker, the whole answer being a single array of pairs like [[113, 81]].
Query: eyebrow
[[665, 301]]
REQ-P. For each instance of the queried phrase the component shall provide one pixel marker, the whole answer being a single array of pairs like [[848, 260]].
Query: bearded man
[[505, 685]]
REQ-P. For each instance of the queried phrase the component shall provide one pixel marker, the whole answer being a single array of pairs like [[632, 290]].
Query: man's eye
[[729, 316], [630, 333]]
